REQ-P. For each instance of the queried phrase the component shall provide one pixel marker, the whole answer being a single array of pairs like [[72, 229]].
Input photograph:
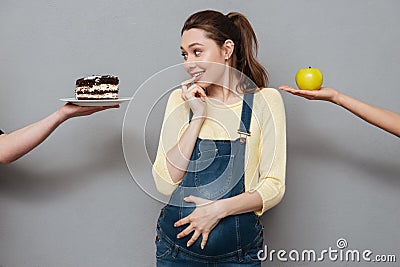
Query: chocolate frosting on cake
[[97, 80]]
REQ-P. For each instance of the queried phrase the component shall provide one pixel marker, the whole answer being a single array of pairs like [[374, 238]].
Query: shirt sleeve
[[175, 122], [271, 185]]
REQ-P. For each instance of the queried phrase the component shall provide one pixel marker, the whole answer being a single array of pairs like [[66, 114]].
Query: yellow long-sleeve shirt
[[265, 156]]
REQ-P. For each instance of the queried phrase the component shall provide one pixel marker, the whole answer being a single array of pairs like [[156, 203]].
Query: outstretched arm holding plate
[[16, 144]]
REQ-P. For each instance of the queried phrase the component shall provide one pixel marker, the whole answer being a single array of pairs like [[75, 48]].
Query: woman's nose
[[189, 65]]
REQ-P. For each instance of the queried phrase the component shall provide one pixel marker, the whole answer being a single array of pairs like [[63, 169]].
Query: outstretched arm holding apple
[[382, 118]]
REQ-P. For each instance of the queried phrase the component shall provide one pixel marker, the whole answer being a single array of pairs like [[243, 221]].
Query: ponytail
[[246, 51], [236, 27]]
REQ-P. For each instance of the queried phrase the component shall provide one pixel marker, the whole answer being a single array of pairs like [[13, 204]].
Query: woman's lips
[[197, 76]]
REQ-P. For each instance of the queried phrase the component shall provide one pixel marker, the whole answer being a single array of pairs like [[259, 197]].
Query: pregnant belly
[[222, 239]]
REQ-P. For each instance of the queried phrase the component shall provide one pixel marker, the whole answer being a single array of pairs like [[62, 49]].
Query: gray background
[[73, 202]]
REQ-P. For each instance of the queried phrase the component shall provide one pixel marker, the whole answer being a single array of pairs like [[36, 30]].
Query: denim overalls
[[216, 171]]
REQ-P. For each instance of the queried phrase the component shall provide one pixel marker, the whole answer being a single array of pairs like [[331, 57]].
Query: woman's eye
[[197, 52], [184, 55]]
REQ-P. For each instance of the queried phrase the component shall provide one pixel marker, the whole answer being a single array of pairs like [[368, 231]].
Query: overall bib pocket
[[213, 180]]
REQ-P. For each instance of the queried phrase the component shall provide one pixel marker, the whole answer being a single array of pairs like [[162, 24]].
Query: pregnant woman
[[222, 148]]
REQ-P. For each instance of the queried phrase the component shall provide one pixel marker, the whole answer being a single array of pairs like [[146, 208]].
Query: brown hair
[[234, 26]]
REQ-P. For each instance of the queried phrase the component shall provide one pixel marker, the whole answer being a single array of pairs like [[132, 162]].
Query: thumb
[[191, 199], [197, 200]]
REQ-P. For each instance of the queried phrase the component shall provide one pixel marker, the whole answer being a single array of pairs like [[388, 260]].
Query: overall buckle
[[243, 136]]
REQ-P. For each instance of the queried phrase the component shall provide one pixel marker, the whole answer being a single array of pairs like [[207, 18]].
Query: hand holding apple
[[325, 93], [309, 78]]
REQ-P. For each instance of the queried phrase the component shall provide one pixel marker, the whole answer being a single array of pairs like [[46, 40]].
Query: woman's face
[[203, 58]]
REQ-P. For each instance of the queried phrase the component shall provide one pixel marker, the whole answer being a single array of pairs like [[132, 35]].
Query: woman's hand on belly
[[202, 220]]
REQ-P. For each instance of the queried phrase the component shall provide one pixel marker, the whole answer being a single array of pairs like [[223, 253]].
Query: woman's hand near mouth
[[195, 97]]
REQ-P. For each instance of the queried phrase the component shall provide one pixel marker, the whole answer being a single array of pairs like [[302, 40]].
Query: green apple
[[309, 79]]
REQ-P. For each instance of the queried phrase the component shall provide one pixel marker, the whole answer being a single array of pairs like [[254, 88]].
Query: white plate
[[96, 102]]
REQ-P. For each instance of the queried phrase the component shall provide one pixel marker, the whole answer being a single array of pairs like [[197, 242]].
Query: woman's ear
[[228, 48]]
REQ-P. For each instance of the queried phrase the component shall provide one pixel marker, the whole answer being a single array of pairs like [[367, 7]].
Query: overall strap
[[244, 128]]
